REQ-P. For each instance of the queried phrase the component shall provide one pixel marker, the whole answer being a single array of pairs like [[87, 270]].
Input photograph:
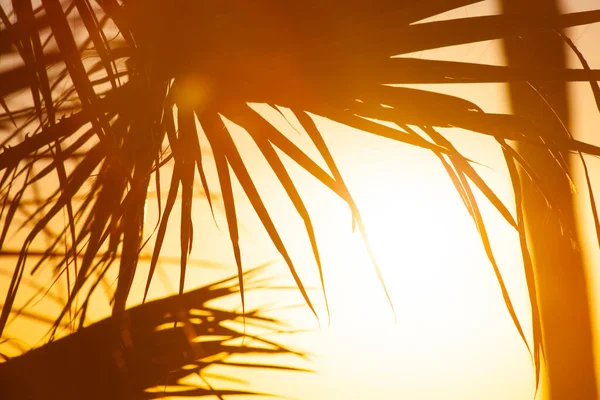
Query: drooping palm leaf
[[103, 102]]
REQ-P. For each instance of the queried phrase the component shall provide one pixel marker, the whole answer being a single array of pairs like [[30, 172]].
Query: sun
[[448, 318], [423, 240]]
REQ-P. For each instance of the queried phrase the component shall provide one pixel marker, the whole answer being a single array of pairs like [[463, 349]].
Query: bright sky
[[453, 338]]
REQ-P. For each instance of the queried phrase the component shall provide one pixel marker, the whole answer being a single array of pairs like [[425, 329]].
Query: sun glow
[[411, 305], [422, 246], [449, 317]]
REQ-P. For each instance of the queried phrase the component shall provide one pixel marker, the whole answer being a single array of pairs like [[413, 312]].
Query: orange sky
[[453, 337]]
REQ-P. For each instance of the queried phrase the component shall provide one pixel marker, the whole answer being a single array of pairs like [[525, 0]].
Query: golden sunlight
[[313, 200], [449, 320]]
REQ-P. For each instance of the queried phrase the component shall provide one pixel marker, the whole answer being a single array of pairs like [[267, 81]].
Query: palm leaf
[[96, 366], [113, 125]]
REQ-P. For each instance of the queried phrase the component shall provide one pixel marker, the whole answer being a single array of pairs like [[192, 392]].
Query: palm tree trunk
[[558, 263]]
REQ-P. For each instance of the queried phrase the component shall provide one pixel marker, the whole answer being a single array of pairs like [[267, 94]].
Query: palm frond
[[167, 341], [98, 110]]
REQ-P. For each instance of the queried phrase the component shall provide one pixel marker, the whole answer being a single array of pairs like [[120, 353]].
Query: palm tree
[[102, 112], [559, 267]]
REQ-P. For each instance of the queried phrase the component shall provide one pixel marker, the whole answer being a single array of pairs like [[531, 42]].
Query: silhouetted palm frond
[[150, 355], [105, 94]]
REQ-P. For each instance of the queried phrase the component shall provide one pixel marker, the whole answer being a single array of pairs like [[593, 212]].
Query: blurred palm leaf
[[110, 106], [164, 343]]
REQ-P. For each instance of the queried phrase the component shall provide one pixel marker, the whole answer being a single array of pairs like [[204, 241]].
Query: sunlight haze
[[444, 332]]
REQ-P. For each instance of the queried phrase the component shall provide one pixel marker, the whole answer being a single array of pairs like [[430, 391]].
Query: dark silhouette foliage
[[149, 355], [103, 97]]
